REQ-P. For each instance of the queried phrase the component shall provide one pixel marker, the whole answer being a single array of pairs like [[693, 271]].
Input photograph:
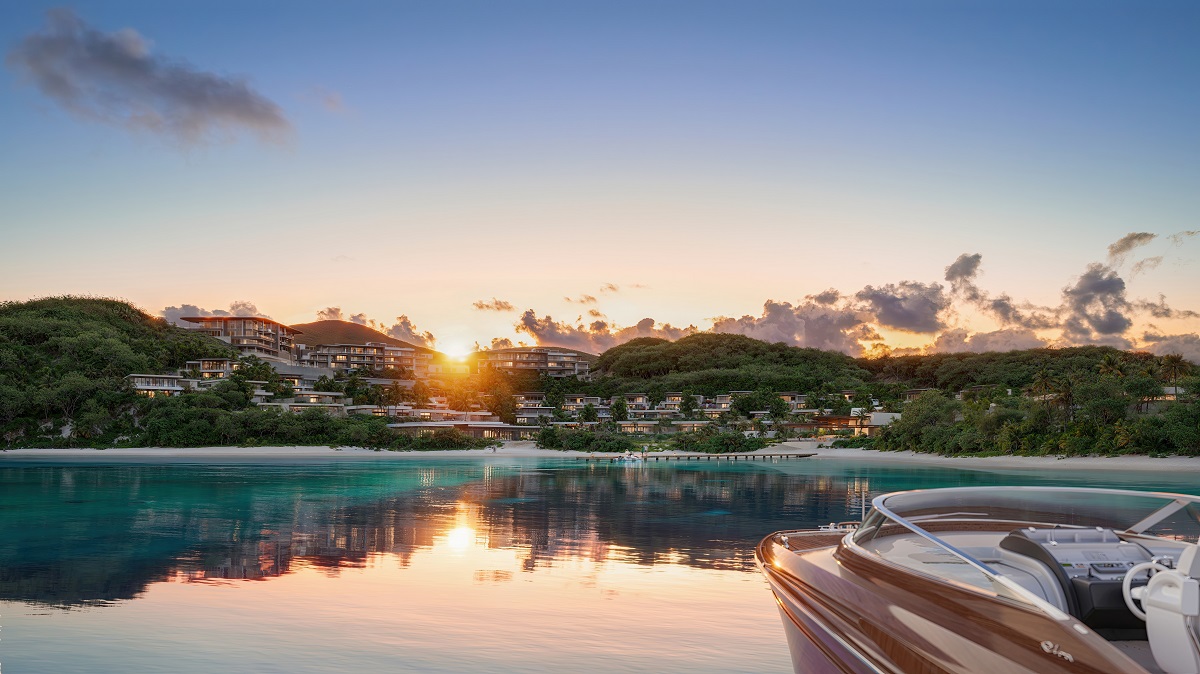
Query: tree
[[1111, 364], [503, 404], [1173, 367], [687, 405], [620, 409], [588, 413]]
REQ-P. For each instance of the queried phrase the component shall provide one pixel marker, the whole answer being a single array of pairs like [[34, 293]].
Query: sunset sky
[[966, 175]]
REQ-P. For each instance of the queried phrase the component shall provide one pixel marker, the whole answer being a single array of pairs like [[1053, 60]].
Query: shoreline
[[525, 449]]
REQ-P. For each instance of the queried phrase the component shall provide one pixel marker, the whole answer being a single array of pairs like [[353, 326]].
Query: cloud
[[1011, 339], [114, 78], [1118, 250], [404, 330], [612, 288], [1145, 265], [826, 297], [813, 325], [910, 306], [237, 308], [501, 343], [582, 299], [595, 313], [494, 305], [1179, 238], [1095, 307], [1186, 345], [961, 276], [595, 337], [1161, 310]]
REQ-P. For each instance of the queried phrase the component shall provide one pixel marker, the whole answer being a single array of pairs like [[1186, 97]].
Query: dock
[[697, 457]]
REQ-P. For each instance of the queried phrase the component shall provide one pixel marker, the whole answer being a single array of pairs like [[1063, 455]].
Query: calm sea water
[[481, 565]]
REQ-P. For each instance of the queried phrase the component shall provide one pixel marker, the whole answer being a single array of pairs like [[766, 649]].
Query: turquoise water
[[481, 564]]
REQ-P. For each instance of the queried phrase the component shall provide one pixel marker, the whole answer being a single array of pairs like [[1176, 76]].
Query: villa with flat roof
[[156, 385]]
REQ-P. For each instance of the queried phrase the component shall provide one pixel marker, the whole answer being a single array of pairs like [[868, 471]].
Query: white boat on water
[[1031, 580]]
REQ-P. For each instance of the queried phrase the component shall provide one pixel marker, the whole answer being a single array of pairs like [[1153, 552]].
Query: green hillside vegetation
[[1113, 407], [64, 359], [708, 364], [63, 363]]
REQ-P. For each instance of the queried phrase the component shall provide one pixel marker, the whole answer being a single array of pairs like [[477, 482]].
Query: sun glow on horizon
[[458, 352]]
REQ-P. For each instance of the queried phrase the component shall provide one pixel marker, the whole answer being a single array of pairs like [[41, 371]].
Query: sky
[[912, 176]]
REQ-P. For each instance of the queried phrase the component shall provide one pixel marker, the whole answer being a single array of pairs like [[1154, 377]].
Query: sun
[[456, 351]]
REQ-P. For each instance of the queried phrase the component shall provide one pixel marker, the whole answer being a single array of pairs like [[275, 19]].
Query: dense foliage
[[1094, 415], [713, 442], [708, 364], [199, 420], [601, 438], [64, 359]]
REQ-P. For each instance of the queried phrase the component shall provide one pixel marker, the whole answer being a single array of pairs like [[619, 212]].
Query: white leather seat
[[1172, 603]]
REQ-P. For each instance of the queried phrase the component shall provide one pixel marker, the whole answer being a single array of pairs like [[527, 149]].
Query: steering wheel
[[1129, 593]]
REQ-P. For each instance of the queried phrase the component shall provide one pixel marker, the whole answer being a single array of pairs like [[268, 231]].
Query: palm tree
[[1174, 366], [1043, 382], [1064, 389], [1111, 364]]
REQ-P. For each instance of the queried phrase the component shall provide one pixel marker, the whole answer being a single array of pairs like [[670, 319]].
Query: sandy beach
[[528, 449]]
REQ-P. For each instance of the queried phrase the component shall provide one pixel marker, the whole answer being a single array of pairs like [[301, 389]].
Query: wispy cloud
[[493, 305], [114, 78], [582, 299], [1121, 247]]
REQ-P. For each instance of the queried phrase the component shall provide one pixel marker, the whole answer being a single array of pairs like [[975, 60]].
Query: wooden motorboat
[[995, 579]]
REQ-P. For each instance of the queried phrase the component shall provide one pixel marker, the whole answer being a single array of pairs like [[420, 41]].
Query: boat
[[1041, 580]]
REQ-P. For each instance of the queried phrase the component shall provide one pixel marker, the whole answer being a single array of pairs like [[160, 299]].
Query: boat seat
[[1172, 604], [1088, 565]]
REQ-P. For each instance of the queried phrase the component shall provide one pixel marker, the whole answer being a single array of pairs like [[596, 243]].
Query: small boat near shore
[[976, 580]]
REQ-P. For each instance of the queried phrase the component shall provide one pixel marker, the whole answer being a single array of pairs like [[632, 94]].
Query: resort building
[[795, 401], [637, 401], [369, 356], [252, 336], [211, 368], [549, 361], [156, 385], [530, 398]]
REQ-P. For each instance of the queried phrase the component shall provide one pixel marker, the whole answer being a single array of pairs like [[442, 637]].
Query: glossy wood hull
[[847, 611]]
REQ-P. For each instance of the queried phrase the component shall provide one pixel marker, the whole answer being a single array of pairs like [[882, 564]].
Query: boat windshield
[[921, 517]]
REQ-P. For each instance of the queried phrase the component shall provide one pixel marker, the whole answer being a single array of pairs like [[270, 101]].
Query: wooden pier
[[621, 458]]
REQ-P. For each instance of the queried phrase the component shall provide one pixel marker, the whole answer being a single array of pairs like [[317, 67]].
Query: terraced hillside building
[[251, 335], [371, 356], [549, 361]]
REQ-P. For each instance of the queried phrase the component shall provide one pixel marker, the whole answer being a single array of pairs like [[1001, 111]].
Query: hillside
[[345, 332], [709, 363], [67, 358]]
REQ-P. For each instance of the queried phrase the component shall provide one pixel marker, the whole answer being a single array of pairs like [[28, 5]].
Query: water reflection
[[418, 566], [76, 535], [72, 535]]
